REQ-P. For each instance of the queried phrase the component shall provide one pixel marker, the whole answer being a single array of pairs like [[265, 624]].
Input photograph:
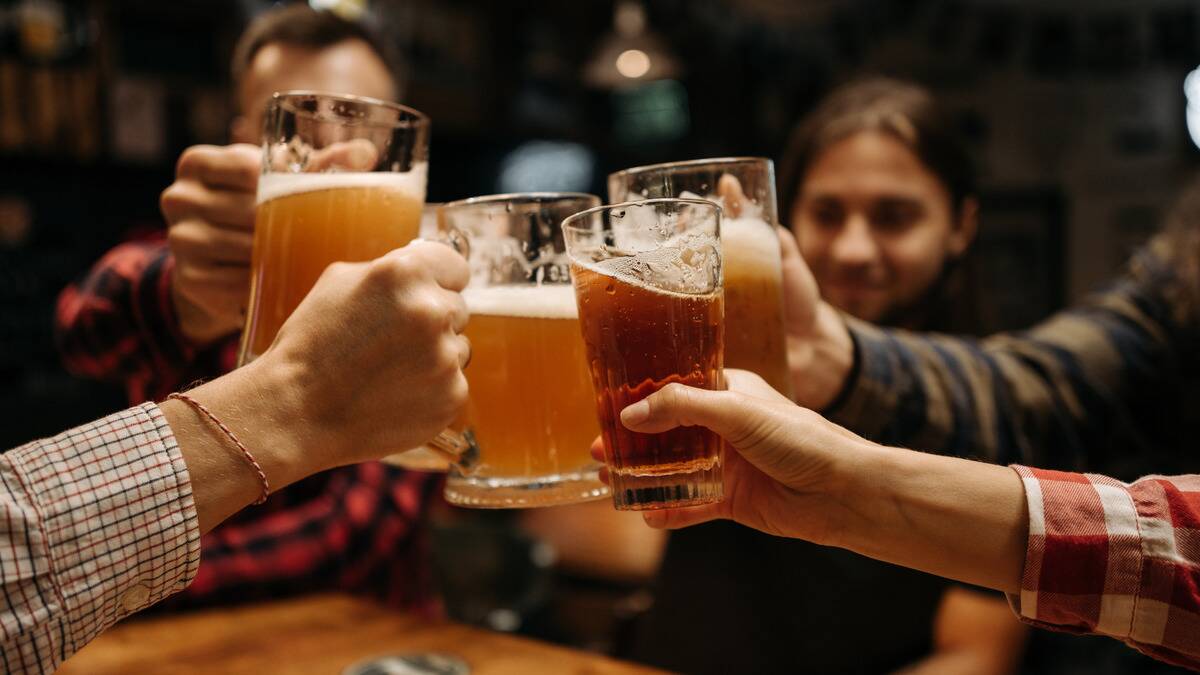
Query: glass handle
[[455, 239], [458, 448]]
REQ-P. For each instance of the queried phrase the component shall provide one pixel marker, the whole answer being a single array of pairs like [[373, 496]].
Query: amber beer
[[648, 319], [754, 330], [306, 221], [530, 409]]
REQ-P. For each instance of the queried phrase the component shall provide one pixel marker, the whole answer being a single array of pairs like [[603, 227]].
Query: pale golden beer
[[754, 331], [343, 180], [307, 221], [530, 420], [531, 408]]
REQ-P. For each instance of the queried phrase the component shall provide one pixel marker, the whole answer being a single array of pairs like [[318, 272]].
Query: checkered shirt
[[1117, 559], [99, 523], [358, 529]]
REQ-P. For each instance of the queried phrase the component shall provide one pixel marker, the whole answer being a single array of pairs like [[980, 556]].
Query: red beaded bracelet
[[262, 476]]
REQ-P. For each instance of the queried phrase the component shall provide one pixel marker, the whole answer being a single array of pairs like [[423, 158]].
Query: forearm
[[955, 518]]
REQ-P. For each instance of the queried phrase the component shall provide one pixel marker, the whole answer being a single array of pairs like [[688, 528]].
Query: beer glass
[[343, 180], [745, 188], [651, 308], [529, 422]]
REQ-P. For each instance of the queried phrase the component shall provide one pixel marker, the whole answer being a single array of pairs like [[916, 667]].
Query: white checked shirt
[[95, 523]]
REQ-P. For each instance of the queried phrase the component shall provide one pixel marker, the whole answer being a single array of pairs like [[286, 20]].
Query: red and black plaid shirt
[[1113, 558], [357, 528]]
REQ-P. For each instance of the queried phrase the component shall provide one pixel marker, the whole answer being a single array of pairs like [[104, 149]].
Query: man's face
[[876, 226], [348, 67]]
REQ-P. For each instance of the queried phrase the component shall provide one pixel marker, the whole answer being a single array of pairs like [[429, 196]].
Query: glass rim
[[569, 224], [416, 118], [520, 197], [685, 163]]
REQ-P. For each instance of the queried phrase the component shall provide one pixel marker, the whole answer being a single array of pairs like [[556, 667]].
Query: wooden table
[[316, 634]]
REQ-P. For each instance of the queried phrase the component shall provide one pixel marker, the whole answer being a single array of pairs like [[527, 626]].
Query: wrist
[[822, 362], [196, 325], [260, 404], [853, 487]]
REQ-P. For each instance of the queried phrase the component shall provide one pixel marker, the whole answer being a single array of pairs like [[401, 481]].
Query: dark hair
[[298, 25], [902, 110]]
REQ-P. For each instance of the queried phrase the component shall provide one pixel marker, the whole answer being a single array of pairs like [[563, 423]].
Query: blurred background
[[1077, 110]]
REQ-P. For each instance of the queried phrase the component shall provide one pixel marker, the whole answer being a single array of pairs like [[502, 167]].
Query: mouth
[[853, 288]]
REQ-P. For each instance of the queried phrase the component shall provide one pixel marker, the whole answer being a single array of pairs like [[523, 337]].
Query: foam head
[[276, 185], [529, 301]]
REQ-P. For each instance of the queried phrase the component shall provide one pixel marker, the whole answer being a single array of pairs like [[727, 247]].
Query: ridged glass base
[[632, 492], [512, 493]]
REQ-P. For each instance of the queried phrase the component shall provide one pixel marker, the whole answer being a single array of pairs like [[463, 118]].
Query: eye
[[895, 215], [827, 213]]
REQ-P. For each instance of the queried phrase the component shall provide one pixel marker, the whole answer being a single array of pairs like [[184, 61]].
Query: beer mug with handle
[[530, 420], [343, 181]]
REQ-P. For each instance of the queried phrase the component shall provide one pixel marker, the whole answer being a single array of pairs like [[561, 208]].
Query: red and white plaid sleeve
[[97, 522], [1115, 559]]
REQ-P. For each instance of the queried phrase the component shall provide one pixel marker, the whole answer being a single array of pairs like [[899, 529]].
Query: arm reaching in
[[106, 519], [1075, 552]]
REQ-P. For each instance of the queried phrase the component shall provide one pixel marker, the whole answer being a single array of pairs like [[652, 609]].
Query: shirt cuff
[[1084, 564], [118, 519], [170, 313]]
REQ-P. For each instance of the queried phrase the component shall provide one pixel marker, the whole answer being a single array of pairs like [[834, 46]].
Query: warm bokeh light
[[1191, 89], [633, 63]]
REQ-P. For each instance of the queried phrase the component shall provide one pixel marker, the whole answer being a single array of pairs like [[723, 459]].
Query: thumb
[[732, 196], [800, 293], [357, 154], [731, 416]]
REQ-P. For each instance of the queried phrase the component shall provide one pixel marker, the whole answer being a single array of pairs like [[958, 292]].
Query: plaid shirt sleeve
[[1115, 559], [118, 322], [1093, 387], [99, 522]]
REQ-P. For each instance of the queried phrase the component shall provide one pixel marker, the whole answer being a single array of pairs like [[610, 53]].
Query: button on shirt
[[95, 523]]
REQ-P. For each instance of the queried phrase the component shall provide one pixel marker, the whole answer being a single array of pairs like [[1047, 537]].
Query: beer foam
[[750, 209], [527, 301], [746, 241], [276, 185], [633, 270]]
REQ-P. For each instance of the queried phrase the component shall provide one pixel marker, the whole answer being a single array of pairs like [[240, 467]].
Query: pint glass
[[648, 284], [343, 180], [754, 333], [530, 417]]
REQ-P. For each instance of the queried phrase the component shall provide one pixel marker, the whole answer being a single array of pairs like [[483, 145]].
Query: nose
[[854, 246]]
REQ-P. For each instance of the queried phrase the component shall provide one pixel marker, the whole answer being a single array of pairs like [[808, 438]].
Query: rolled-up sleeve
[[97, 522], [1115, 559]]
